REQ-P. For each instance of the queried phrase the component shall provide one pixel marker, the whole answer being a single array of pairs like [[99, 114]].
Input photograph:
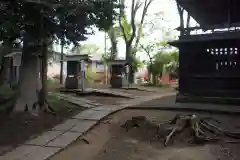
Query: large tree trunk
[[27, 99], [61, 67], [154, 79], [114, 50], [6, 48], [130, 62], [4, 70], [43, 91]]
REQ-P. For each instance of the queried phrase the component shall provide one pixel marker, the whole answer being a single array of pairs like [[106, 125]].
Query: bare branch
[[147, 51], [120, 20], [133, 15], [145, 9]]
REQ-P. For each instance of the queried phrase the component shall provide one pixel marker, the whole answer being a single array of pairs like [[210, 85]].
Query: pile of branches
[[202, 129]]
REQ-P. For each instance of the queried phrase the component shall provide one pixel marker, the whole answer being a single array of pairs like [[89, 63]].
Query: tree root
[[202, 129], [37, 108]]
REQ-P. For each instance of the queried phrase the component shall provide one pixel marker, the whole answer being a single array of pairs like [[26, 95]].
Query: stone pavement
[[76, 100], [113, 92], [59, 137]]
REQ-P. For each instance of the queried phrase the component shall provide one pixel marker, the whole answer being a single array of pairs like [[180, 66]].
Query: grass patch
[[7, 102], [59, 105]]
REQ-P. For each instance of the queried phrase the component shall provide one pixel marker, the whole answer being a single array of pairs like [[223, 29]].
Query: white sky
[[171, 20]]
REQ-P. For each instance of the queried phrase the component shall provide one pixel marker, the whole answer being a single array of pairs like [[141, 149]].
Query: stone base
[[71, 83], [204, 99], [116, 82]]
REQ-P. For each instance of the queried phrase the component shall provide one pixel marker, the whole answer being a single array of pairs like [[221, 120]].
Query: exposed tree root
[[43, 103], [202, 130], [48, 109]]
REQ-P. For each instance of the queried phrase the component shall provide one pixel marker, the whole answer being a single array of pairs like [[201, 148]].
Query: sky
[[171, 20]]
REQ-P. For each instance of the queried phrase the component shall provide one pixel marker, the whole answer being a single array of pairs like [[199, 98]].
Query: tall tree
[[131, 31], [19, 19], [149, 49], [114, 33], [90, 49]]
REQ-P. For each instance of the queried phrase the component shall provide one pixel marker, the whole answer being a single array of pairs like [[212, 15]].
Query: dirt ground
[[144, 91], [109, 141], [31, 126], [136, 92]]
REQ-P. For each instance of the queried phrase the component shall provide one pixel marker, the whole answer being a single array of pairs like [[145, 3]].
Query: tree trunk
[[4, 62], [27, 99], [3, 71], [43, 74], [114, 50], [154, 79], [43, 92], [61, 67], [130, 61]]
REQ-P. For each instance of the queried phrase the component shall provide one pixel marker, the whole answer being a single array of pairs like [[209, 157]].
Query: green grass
[[59, 105], [7, 95]]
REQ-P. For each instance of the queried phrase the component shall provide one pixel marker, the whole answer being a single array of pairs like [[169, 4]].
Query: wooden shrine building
[[209, 53], [117, 70], [73, 79]]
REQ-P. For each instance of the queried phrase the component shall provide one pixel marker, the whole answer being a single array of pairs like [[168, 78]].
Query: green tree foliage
[[27, 17], [90, 49], [165, 59], [132, 32], [113, 34], [37, 23]]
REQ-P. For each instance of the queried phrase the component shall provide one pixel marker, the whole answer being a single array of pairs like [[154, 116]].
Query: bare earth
[[109, 141], [145, 91]]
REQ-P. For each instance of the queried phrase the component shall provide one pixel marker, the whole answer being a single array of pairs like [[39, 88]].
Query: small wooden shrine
[[117, 70], [209, 53], [74, 70]]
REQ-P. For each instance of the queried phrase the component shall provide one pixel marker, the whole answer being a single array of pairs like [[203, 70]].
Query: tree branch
[[120, 20], [148, 53], [135, 8], [145, 9]]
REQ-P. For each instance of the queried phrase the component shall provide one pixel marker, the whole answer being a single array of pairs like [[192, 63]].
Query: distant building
[[100, 70], [54, 60]]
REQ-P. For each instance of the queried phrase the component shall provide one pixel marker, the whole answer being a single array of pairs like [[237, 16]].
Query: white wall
[[97, 67], [54, 69]]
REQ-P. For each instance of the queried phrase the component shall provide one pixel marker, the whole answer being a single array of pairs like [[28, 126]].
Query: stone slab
[[92, 114], [66, 125], [111, 108], [82, 104], [83, 126], [114, 92], [44, 138], [64, 140], [20, 152], [41, 153]]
